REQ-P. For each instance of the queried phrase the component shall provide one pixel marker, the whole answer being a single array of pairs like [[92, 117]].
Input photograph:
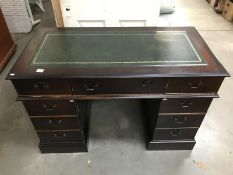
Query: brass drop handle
[[179, 119], [195, 85], [186, 104], [49, 107], [55, 122], [41, 84], [146, 83], [90, 87], [175, 132], [59, 135]]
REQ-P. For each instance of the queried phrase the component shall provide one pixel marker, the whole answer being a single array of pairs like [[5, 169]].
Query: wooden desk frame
[[175, 98]]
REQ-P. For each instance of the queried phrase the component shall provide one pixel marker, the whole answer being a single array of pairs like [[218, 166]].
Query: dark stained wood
[[187, 105], [50, 107], [174, 145], [174, 134], [42, 87], [60, 136], [116, 96], [118, 86], [174, 98], [7, 46], [62, 147], [164, 132], [193, 85], [56, 123], [85, 117], [179, 120], [214, 68]]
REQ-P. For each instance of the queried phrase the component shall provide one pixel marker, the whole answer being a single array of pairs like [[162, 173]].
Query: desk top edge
[[20, 70]]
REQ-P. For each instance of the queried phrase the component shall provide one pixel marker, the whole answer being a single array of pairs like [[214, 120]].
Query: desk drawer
[[56, 123], [60, 136], [193, 85], [69, 147], [118, 86], [171, 145], [176, 121], [184, 105], [50, 107], [42, 87], [174, 134]]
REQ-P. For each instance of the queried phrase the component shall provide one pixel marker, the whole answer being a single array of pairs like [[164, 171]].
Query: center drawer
[[60, 136], [118, 86], [184, 105], [56, 123], [50, 107]]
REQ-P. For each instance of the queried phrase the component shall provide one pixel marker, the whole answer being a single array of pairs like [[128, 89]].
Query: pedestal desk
[[171, 70]]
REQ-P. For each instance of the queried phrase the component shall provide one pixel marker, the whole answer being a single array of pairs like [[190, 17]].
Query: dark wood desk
[[171, 70]]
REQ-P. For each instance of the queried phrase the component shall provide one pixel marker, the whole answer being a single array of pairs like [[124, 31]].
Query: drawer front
[[174, 134], [50, 107], [193, 85], [56, 123], [62, 147], [184, 105], [176, 121], [118, 86], [171, 145], [60, 136], [42, 87]]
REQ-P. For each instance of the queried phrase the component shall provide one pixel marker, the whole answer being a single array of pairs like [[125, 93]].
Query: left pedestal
[[60, 123]]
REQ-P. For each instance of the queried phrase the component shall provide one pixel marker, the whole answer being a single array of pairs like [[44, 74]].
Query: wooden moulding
[[23, 70]]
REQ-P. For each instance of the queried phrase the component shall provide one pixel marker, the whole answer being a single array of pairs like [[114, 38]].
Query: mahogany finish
[[193, 85], [7, 46], [42, 87], [174, 134], [175, 98], [66, 147], [50, 107], [124, 86], [22, 70], [171, 145], [174, 120], [60, 136], [56, 123], [184, 105]]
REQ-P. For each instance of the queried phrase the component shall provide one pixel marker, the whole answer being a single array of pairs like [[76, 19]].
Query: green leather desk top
[[169, 48], [117, 53]]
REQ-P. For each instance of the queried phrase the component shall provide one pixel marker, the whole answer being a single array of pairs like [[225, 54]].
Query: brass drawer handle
[[49, 107], [146, 83], [41, 85], [55, 122], [180, 119], [90, 87], [175, 132], [186, 104], [59, 135], [194, 85]]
